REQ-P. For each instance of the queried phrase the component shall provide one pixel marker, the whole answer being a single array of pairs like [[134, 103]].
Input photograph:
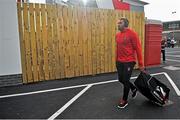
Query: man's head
[[123, 23]]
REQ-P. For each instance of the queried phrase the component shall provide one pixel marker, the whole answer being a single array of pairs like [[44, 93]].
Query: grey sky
[[162, 9]]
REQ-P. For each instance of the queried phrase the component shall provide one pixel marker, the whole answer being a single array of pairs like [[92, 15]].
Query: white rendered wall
[[10, 60]]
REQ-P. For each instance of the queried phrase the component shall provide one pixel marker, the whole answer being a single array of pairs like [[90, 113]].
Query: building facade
[[171, 30]]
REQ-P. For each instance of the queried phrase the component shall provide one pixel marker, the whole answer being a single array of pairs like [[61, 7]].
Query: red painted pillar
[[153, 36]]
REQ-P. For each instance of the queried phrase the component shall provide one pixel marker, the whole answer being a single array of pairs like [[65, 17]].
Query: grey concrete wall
[[105, 4], [137, 8]]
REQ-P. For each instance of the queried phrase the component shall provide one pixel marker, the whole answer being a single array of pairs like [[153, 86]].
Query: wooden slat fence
[[62, 42]]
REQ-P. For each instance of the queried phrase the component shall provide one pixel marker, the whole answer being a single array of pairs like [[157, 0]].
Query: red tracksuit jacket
[[127, 46]]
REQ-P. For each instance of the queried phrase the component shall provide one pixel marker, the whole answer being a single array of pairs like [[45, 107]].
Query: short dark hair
[[126, 21]]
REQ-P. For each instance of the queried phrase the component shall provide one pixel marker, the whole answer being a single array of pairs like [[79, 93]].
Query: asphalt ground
[[91, 97]]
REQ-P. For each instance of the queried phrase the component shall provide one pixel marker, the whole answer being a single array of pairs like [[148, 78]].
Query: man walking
[[128, 45]]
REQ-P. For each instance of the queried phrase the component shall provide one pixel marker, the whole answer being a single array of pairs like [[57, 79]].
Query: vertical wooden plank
[[58, 70], [108, 51], [33, 44], [68, 45], [98, 41], [66, 61], [115, 16], [85, 45], [49, 32], [80, 38], [108, 35], [134, 26], [86, 42], [128, 15], [81, 43], [61, 39], [107, 48], [143, 32], [114, 27], [39, 42], [143, 27], [79, 62], [131, 20], [56, 65], [95, 42], [44, 33], [53, 42], [76, 42], [60, 42], [50, 40], [71, 42], [125, 13], [22, 42], [140, 29], [89, 43], [27, 44], [93, 26], [134, 20], [111, 41], [94, 45], [107, 41], [138, 22], [136, 29], [66, 48], [102, 38]]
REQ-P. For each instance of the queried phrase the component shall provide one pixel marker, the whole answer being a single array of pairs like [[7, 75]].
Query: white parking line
[[83, 91], [173, 84], [69, 103], [56, 114], [64, 88], [173, 55], [173, 60], [42, 91], [173, 52]]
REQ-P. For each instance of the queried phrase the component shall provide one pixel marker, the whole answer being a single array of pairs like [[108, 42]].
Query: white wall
[[105, 4], [10, 62]]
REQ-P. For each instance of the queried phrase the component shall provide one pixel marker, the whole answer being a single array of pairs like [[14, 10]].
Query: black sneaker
[[134, 93], [122, 104]]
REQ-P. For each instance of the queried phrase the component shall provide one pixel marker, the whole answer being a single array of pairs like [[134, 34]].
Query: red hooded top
[[128, 45]]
